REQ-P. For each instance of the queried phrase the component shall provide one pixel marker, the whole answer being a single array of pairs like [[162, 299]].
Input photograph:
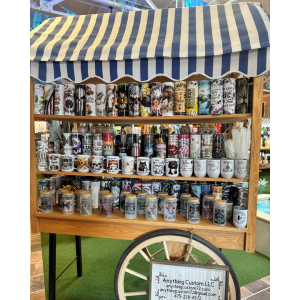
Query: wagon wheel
[[132, 272]]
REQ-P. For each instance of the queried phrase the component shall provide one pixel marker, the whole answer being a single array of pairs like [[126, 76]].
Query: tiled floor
[[37, 286], [257, 290]]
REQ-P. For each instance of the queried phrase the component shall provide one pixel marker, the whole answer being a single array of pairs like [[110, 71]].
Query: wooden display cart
[[117, 226]]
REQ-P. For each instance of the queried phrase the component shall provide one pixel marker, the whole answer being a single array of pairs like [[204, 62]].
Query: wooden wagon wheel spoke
[[137, 274], [194, 259], [140, 293], [145, 255], [146, 251], [188, 254], [166, 250], [159, 251], [211, 261]]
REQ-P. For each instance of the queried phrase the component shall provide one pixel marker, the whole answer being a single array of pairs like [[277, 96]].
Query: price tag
[[172, 280]]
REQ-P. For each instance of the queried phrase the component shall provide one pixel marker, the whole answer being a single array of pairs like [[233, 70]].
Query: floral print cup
[[195, 146], [183, 145], [83, 163]]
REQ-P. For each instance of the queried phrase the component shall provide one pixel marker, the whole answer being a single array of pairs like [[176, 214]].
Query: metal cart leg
[[78, 255], [52, 265], [52, 262]]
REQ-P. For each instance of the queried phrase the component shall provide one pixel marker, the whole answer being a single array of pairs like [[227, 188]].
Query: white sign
[[172, 280]]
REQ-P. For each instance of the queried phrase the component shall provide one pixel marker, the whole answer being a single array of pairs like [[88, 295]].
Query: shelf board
[[264, 168], [119, 218], [150, 120], [265, 149], [192, 178]]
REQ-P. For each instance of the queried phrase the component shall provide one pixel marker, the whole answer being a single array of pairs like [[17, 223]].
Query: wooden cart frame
[[118, 227]]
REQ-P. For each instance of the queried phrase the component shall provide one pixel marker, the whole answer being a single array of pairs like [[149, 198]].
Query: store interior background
[[100, 256]]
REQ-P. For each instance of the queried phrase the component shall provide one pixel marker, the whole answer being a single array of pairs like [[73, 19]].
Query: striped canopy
[[176, 42]]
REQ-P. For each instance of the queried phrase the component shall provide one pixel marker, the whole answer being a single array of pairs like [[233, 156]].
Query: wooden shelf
[[119, 218], [225, 119], [192, 178], [265, 149], [264, 168]]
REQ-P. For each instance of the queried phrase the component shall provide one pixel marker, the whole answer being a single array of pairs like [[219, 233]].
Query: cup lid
[[104, 191], [107, 194], [220, 201], [125, 192], [67, 193], [47, 192], [193, 199], [131, 196], [186, 195], [141, 192], [170, 197], [151, 197], [85, 194], [162, 193]]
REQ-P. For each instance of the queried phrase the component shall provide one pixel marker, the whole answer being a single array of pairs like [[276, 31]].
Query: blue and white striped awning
[[177, 43]]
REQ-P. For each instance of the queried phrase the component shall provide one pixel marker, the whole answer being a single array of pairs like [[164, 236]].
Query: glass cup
[[130, 206], [68, 203], [46, 201], [86, 204], [107, 204]]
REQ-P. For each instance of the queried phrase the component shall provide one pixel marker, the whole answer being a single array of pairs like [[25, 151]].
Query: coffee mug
[[67, 163], [213, 167], [142, 165], [200, 167], [97, 164], [240, 216], [157, 166], [54, 162], [240, 168], [83, 163], [172, 167], [128, 165], [112, 164], [227, 167], [186, 167]]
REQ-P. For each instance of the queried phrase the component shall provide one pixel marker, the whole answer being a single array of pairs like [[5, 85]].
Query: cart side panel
[[33, 181], [227, 240], [254, 162]]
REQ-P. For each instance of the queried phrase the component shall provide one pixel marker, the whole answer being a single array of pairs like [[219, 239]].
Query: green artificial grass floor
[[100, 257]]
